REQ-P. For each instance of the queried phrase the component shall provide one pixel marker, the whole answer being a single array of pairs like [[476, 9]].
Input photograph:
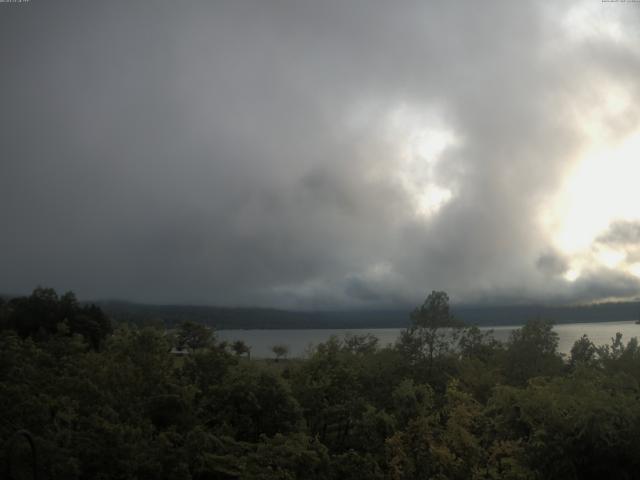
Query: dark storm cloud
[[239, 152], [603, 284], [622, 233], [552, 263]]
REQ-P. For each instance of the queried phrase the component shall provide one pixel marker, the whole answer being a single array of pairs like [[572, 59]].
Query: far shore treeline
[[222, 318], [104, 399]]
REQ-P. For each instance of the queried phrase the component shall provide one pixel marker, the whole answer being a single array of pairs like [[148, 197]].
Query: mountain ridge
[[226, 318]]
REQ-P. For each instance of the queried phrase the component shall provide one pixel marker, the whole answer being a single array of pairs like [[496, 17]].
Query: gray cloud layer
[[242, 153]]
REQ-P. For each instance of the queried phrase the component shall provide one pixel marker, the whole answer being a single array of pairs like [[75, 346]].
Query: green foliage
[[532, 352], [581, 426], [583, 352], [439, 443], [240, 348], [250, 402], [280, 351], [463, 407], [431, 337], [411, 401], [480, 362], [326, 386], [429, 347], [194, 336], [360, 344], [40, 314]]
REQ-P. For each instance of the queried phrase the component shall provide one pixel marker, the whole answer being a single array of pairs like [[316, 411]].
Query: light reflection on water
[[299, 341]]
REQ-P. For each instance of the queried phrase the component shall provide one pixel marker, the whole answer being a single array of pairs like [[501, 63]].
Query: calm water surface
[[301, 341]]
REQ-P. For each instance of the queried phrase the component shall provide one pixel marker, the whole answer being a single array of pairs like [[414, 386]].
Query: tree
[[194, 335], [40, 314], [240, 348], [618, 357], [253, 401], [571, 427], [439, 444], [36, 315], [432, 332], [532, 351], [328, 388], [360, 344], [479, 362], [280, 351], [583, 352]]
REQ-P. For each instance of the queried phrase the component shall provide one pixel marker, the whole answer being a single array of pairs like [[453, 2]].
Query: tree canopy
[[468, 408], [44, 313]]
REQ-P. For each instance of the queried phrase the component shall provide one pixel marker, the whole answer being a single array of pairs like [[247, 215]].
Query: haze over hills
[[226, 318], [267, 318]]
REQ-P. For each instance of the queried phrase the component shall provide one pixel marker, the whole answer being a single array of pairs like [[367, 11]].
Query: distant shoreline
[[505, 326], [228, 318]]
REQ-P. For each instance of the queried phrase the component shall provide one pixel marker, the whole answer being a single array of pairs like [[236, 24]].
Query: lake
[[300, 341]]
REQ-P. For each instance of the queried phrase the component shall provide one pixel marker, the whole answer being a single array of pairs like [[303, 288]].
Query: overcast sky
[[321, 154]]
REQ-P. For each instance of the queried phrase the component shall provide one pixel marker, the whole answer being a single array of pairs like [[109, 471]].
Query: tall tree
[[432, 332], [194, 335], [241, 348], [41, 314], [280, 351], [532, 351]]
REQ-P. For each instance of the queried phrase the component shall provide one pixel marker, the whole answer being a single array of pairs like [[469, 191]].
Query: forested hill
[[253, 318], [264, 318]]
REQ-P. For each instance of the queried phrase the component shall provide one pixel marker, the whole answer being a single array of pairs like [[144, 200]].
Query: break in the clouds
[[321, 154]]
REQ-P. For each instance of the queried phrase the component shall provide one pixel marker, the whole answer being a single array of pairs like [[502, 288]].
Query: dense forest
[[123, 401]]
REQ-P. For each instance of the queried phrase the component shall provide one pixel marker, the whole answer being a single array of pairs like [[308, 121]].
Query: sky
[[321, 155]]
